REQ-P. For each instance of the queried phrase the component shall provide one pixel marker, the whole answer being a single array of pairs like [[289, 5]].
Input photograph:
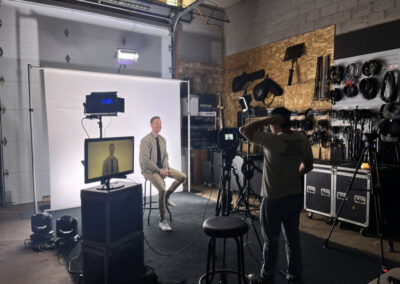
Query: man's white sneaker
[[164, 226], [170, 203]]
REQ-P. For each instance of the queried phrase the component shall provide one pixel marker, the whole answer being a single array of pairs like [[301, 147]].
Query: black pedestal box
[[115, 262], [108, 216]]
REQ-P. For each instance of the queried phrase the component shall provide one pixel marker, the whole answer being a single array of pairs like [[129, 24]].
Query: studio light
[[67, 229], [41, 225], [127, 56]]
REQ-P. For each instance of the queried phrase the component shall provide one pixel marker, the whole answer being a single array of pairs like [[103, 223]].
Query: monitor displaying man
[[108, 157]]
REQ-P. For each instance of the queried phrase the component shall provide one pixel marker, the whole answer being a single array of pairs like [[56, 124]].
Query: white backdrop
[[66, 92]]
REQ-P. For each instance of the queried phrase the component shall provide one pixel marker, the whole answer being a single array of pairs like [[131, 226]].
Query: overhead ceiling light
[[127, 56]]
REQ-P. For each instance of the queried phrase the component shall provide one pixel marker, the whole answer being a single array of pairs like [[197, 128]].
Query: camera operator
[[287, 157]]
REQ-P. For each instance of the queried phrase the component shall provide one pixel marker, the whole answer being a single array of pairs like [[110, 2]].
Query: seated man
[[153, 159]]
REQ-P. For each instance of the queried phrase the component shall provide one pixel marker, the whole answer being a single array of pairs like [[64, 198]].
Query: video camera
[[228, 141]]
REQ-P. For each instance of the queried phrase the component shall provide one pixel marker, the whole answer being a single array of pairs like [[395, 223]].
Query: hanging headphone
[[389, 82], [371, 68], [390, 111], [369, 88], [335, 95], [336, 74], [353, 70], [350, 89]]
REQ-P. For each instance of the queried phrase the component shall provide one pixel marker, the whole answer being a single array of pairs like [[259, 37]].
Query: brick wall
[[203, 76], [259, 22]]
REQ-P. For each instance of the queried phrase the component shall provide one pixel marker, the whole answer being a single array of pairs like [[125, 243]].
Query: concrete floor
[[349, 236], [21, 265]]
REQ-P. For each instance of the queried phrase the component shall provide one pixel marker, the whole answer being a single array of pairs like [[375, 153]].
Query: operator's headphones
[[369, 88], [336, 74], [389, 89], [371, 68]]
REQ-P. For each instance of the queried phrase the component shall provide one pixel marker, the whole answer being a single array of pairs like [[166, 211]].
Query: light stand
[[32, 139], [369, 140]]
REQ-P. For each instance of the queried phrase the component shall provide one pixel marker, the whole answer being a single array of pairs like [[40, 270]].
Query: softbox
[[262, 89]]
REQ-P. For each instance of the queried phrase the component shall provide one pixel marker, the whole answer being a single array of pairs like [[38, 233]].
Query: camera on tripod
[[228, 142]]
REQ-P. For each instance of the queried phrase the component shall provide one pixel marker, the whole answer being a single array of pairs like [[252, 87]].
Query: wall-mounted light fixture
[[127, 56]]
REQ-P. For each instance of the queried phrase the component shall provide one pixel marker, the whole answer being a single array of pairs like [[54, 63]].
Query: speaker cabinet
[[108, 216]]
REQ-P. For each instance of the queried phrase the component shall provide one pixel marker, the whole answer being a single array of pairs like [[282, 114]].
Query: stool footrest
[[218, 271]]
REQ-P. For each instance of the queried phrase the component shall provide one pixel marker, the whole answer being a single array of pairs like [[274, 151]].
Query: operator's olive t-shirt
[[283, 154]]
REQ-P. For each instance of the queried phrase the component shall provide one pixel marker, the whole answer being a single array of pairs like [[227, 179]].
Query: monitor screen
[[108, 157], [229, 136]]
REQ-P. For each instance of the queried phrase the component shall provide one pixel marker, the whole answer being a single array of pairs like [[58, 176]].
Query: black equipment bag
[[240, 81], [262, 89]]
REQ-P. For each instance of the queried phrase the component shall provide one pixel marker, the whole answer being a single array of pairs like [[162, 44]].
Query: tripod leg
[[375, 188], [391, 246], [326, 241], [257, 235], [219, 201]]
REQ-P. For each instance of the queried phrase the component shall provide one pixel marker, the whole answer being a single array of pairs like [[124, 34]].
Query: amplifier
[[110, 215], [318, 193], [112, 263]]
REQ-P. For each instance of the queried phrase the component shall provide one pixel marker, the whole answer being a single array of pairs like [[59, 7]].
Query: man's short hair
[[285, 113], [154, 117]]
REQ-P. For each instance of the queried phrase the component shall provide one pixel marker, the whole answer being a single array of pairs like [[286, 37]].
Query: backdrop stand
[[30, 67], [189, 146], [32, 137]]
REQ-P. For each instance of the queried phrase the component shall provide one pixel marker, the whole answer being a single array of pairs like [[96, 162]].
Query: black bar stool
[[149, 205], [225, 227]]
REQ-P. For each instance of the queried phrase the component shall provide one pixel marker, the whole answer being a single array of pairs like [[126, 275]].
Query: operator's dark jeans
[[276, 214]]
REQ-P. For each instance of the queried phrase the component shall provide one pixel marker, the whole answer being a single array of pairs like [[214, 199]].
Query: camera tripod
[[248, 168], [370, 151], [224, 199]]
